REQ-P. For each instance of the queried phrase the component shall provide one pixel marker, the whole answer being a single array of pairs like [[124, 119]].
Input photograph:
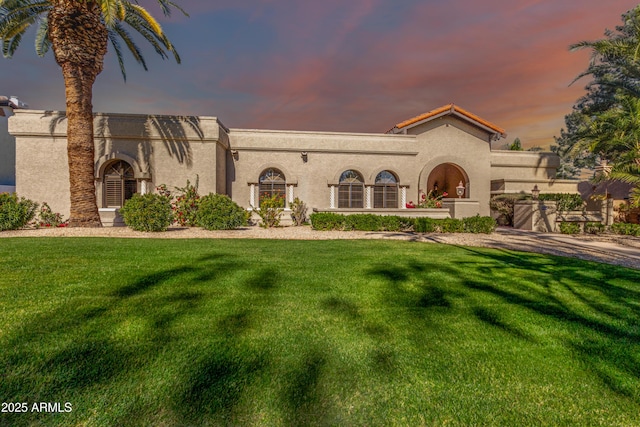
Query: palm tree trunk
[[79, 42]]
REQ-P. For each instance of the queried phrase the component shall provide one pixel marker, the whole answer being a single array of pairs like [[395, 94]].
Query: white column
[[252, 195], [332, 197], [143, 187], [367, 197], [290, 195], [403, 197]]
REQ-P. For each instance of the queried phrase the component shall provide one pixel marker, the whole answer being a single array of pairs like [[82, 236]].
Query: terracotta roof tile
[[452, 108]]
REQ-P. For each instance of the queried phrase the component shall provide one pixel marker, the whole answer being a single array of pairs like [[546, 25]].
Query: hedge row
[[625, 229], [370, 222]]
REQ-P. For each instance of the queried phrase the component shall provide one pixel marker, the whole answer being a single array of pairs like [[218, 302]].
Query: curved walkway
[[611, 249]]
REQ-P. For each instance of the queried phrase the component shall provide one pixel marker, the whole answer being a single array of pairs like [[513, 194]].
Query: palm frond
[[113, 38], [42, 37]]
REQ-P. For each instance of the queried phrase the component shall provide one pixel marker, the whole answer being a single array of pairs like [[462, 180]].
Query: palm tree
[[78, 32]]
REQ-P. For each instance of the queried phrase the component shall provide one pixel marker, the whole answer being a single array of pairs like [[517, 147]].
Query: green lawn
[[247, 332]]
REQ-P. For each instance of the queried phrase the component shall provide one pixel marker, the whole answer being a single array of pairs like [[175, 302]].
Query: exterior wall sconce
[[234, 154], [460, 190], [535, 192], [304, 156]]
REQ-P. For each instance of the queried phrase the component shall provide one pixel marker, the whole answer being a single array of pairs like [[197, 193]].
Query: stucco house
[[330, 171]]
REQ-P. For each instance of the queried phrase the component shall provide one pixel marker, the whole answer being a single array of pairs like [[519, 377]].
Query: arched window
[[272, 182], [385, 191], [119, 184], [351, 190]]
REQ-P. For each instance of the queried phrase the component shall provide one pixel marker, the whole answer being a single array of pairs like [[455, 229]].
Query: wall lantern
[[234, 154], [304, 156], [535, 192], [460, 190]]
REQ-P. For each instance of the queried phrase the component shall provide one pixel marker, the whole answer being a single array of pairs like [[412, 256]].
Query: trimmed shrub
[[594, 227], [362, 222], [625, 229], [15, 213], [564, 202], [147, 212], [567, 227], [425, 225], [479, 224], [219, 212], [327, 221], [390, 223], [451, 225]]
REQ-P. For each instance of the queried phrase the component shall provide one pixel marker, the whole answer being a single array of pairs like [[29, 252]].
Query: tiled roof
[[453, 109]]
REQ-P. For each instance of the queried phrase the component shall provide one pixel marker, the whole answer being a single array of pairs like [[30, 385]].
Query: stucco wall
[[162, 150]]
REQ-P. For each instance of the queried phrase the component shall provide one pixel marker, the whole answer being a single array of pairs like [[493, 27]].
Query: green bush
[[564, 202], [451, 225], [425, 225], [625, 229], [327, 221], [567, 227], [594, 227], [271, 209], [219, 212], [148, 212], [15, 213], [479, 224], [391, 223], [362, 222]]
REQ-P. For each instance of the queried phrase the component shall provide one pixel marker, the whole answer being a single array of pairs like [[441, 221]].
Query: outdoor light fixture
[[304, 156], [535, 192], [460, 190], [234, 154]]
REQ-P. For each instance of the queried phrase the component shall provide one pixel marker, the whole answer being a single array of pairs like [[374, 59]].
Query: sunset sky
[[349, 65]]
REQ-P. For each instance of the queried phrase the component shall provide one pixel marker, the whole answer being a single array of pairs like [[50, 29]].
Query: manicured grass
[[247, 332]]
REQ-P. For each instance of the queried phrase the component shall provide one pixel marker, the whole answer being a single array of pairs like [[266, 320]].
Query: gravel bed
[[617, 250]]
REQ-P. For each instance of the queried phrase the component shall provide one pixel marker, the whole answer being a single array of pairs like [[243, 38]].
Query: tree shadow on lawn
[[100, 339], [596, 308]]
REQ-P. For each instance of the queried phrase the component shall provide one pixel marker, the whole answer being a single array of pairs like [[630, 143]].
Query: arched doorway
[[444, 178]]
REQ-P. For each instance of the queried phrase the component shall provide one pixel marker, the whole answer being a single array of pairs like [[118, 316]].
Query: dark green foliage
[[479, 224], [425, 225], [327, 221], [15, 212], [362, 222], [219, 212], [564, 201], [567, 227], [625, 229], [594, 227], [451, 225], [148, 212]]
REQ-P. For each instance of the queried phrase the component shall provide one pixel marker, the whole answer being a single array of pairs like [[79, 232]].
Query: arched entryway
[[444, 178]]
